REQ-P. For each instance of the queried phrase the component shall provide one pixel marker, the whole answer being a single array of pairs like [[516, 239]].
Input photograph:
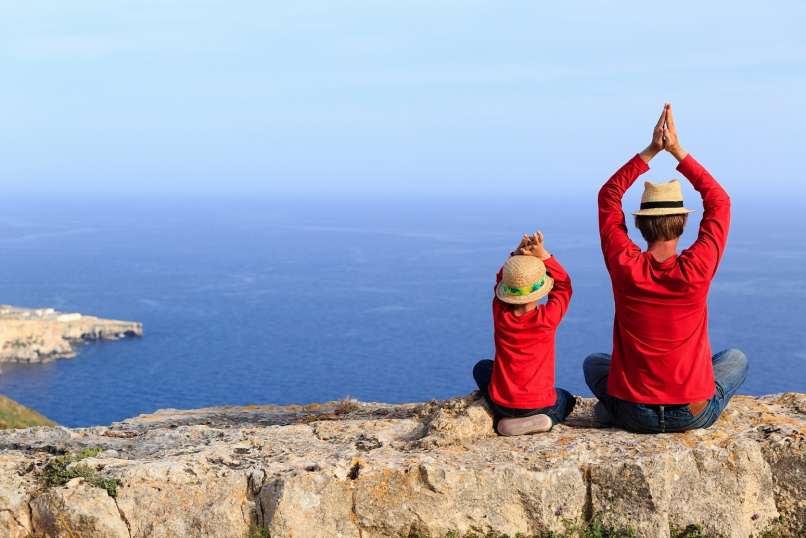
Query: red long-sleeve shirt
[[523, 371], [661, 351]]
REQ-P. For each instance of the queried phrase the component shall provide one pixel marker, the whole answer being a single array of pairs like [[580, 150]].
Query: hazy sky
[[389, 97]]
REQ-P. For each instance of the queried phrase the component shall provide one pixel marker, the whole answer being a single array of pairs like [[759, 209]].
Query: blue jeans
[[483, 372], [730, 371]]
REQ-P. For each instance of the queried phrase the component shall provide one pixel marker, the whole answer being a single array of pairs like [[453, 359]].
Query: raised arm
[[612, 226], [704, 255], [560, 294]]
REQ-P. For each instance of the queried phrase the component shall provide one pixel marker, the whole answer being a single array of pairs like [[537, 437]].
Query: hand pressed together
[[532, 245], [664, 137], [671, 142]]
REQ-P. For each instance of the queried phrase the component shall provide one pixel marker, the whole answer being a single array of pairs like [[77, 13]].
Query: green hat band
[[526, 290]]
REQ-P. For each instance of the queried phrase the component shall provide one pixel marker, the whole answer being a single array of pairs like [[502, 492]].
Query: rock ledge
[[352, 469]]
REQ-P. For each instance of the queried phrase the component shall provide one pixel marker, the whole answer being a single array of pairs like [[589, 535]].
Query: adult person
[[661, 376]]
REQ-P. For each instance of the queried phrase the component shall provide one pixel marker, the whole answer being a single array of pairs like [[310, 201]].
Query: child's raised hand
[[524, 243], [535, 247]]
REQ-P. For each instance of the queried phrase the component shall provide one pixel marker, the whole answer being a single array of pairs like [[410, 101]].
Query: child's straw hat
[[662, 199], [524, 280]]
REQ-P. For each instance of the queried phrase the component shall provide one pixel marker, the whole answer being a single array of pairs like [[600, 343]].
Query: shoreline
[[38, 335]]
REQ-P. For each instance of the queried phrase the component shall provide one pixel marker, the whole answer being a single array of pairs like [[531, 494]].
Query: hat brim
[[523, 299], [661, 211]]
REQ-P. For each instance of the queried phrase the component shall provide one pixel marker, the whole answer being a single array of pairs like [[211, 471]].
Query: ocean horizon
[[293, 300]]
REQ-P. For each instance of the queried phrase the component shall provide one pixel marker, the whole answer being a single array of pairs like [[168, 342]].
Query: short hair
[[662, 227]]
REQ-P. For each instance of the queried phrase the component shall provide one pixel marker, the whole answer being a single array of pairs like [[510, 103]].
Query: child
[[519, 384]]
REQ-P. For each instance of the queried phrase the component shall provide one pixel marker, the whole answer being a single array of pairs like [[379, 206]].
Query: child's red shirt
[[523, 371]]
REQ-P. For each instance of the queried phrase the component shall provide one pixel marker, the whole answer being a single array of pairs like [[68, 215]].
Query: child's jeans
[[483, 372], [730, 371]]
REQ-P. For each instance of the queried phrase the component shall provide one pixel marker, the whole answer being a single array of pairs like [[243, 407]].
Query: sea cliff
[[353, 469], [43, 334]]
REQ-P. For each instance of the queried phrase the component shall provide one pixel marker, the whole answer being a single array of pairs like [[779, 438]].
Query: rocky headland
[[43, 334], [353, 469]]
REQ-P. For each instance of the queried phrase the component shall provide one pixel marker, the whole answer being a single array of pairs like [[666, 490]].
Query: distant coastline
[[44, 334]]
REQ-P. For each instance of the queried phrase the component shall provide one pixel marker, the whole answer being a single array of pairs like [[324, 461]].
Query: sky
[[390, 98]]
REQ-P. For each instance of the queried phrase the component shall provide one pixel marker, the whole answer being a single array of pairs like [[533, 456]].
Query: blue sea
[[281, 300]]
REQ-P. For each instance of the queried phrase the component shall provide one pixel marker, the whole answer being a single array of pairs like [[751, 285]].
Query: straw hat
[[524, 280], [662, 199]]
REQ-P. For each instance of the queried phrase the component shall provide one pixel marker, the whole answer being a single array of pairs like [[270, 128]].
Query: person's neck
[[521, 309], [663, 250]]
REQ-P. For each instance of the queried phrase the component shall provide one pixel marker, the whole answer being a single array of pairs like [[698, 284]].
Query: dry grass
[[14, 415], [345, 406]]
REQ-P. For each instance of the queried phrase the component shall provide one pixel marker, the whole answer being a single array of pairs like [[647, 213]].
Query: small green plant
[[89, 452], [61, 469], [257, 531], [595, 528], [778, 530]]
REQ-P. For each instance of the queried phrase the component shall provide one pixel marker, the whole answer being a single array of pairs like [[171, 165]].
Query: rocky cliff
[[43, 334], [351, 469]]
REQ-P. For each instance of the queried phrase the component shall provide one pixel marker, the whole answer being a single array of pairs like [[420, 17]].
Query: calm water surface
[[248, 301]]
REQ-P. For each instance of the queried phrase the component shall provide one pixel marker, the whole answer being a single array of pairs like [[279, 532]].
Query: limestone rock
[[173, 499], [458, 420], [16, 488], [377, 470], [43, 334], [77, 509]]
